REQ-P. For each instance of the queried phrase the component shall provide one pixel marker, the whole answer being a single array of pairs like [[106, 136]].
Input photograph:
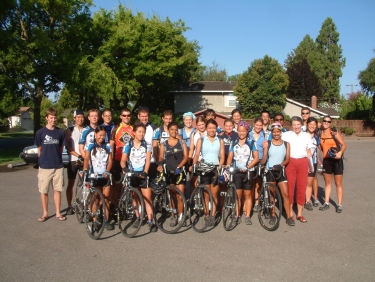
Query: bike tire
[[94, 213], [199, 220], [130, 202], [166, 210], [274, 204], [229, 211], [78, 204]]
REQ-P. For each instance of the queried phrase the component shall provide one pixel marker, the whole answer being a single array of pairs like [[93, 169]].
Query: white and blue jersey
[[160, 134], [137, 156], [242, 155], [99, 160], [88, 137]]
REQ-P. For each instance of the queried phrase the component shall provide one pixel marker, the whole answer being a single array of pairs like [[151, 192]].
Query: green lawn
[[10, 156], [7, 135]]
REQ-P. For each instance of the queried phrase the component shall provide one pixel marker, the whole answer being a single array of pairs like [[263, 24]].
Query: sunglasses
[[126, 115], [327, 121], [281, 119], [305, 113]]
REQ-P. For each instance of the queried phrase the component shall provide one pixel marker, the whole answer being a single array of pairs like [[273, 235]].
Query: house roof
[[205, 86], [21, 110], [318, 111], [66, 112]]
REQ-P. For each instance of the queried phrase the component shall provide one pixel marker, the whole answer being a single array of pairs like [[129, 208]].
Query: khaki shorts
[[48, 176]]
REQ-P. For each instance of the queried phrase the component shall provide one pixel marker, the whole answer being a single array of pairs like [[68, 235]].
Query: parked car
[[30, 155]]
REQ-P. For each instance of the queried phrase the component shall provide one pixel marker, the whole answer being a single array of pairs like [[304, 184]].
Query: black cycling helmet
[[332, 152]]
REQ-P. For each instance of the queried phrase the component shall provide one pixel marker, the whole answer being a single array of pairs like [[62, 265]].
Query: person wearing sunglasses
[[121, 136], [305, 114], [332, 163]]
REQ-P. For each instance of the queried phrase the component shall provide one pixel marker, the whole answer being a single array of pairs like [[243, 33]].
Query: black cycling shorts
[[152, 171], [138, 182], [72, 169], [271, 176], [240, 179], [116, 171], [333, 166], [312, 174], [173, 179], [102, 182], [210, 177]]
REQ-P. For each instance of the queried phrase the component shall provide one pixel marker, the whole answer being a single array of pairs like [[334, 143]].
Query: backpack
[[131, 144], [270, 143], [166, 144]]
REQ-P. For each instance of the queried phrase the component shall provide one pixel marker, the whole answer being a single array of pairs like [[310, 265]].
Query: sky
[[237, 32]]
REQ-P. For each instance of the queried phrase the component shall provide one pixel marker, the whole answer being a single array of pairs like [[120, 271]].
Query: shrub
[[347, 131]]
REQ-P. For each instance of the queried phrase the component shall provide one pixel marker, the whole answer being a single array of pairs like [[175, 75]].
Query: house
[[218, 95], [22, 119], [193, 97], [67, 117]]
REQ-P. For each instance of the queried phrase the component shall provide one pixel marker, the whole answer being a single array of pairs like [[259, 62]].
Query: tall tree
[[367, 82], [303, 82], [305, 50], [214, 72], [262, 86], [329, 60], [34, 41]]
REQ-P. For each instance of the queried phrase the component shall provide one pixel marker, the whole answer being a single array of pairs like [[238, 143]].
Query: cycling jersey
[[173, 155], [184, 136], [137, 156], [121, 135], [210, 150], [259, 142], [196, 135], [327, 142], [160, 134], [108, 130], [228, 139], [242, 154], [88, 137], [99, 161]]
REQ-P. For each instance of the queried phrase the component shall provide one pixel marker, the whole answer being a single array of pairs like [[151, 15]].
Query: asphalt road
[[330, 246]]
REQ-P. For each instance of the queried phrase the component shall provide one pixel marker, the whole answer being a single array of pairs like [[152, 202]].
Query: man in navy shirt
[[50, 141]]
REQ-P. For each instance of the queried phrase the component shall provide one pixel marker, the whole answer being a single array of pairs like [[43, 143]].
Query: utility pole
[[352, 86]]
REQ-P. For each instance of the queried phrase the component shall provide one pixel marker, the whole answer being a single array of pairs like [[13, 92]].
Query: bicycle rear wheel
[[167, 215], [94, 213], [130, 212], [270, 207], [201, 208], [229, 212]]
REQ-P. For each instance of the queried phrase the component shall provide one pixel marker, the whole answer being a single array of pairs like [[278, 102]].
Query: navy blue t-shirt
[[228, 139], [50, 142]]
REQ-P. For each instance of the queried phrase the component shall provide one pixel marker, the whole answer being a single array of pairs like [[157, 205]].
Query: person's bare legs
[[315, 186], [339, 188], [57, 199], [69, 191], [44, 200], [328, 186]]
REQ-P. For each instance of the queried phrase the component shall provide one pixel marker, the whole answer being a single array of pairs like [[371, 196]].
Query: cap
[[276, 125], [78, 112]]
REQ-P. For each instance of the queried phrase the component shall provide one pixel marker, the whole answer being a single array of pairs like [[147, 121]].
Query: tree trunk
[[37, 103]]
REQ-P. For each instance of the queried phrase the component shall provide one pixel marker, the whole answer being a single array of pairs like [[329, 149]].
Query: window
[[230, 100]]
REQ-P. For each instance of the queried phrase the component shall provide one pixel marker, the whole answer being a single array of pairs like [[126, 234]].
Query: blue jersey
[[259, 142], [242, 155], [108, 130], [276, 154], [160, 134], [99, 160], [210, 150], [88, 137], [184, 136], [228, 139], [50, 142]]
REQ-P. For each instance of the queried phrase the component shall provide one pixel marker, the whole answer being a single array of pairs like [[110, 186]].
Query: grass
[[10, 156], [7, 135]]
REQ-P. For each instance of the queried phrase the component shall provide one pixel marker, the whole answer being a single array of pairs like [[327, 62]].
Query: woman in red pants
[[298, 168]]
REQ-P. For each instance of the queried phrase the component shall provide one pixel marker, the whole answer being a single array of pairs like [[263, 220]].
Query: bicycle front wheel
[[201, 204], [229, 212], [94, 213], [170, 210], [270, 207], [130, 212]]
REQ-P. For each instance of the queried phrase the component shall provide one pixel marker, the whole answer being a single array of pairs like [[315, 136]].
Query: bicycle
[[131, 206], [270, 204], [166, 204], [78, 201], [230, 202], [200, 209], [94, 205]]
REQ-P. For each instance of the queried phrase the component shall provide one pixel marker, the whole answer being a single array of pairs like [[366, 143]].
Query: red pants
[[296, 173]]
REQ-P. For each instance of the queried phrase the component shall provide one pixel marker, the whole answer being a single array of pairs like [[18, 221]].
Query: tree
[[262, 86], [36, 39], [357, 106], [367, 82], [303, 82], [305, 50], [211, 73], [134, 59], [329, 60]]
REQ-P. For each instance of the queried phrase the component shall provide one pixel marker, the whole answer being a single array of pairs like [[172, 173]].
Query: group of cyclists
[[290, 157]]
